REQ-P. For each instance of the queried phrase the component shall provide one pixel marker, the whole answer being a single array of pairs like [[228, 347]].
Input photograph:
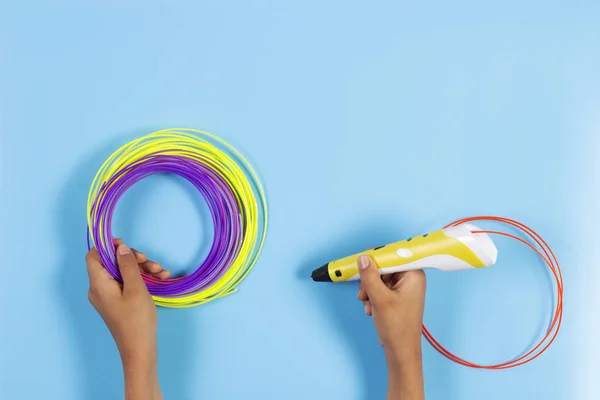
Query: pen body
[[449, 249]]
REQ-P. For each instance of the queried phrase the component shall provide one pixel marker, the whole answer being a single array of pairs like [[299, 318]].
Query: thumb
[[128, 266], [371, 279]]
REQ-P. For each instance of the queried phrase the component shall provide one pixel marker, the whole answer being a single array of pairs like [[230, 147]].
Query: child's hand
[[396, 302], [130, 314]]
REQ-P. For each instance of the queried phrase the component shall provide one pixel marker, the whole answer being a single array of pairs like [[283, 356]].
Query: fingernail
[[363, 262], [123, 249]]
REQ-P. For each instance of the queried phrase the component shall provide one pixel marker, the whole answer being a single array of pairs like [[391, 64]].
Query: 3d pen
[[451, 249]]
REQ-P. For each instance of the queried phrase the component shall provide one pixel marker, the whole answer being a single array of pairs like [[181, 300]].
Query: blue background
[[367, 121]]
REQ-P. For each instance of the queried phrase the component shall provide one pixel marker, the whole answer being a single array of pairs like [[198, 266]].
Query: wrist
[[402, 352], [142, 350], [140, 371], [139, 359], [405, 372]]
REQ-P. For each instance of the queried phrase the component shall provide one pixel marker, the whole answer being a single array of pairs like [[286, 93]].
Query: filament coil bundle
[[537, 244], [227, 182]]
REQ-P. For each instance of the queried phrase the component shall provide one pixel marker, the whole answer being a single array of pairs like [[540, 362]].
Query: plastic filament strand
[[537, 244], [227, 182]]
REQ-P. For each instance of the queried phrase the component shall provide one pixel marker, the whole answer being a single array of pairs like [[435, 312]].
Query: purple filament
[[222, 203]]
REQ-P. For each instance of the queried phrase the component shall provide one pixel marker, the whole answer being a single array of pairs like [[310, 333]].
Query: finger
[[164, 274], [415, 279], [93, 264], [371, 279], [362, 294], [394, 279], [368, 308], [128, 266], [150, 267], [101, 282], [96, 270], [388, 280], [139, 256]]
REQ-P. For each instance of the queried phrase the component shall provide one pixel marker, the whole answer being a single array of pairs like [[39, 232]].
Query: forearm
[[141, 377], [405, 372]]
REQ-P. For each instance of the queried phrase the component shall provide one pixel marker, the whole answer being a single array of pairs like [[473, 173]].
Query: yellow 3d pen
[[451, 249]]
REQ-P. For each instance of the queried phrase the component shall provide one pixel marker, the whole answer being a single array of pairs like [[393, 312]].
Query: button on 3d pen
[[404, 253]]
